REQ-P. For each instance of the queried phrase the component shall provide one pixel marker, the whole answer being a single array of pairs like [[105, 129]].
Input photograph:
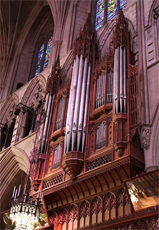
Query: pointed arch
[[14, 165]]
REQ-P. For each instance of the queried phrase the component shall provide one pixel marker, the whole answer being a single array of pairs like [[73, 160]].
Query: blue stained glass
[[112, 9], [40, 56], [47, 54], [99, 14], [123, 4]]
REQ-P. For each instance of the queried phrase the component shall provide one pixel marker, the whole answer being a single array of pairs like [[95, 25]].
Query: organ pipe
[[121, 79], [72, 104], [124, 75], [49, 122], [119, 86], [78, 95], [86, 107], [46, 120], [80, 121], [69, 103]]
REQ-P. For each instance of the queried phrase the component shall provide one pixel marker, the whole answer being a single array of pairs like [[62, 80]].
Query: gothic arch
[[150, 16], [67, 66], [153, 27], [7, 110], [84, 209], [109, 201], [14, 163], [35, 91], [9, 74], [107, 34]]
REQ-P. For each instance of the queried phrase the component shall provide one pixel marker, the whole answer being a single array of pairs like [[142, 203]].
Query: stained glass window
[[112, 9], [99, 14], [123, 4], [47, 54], [43, 56], [39, 61]]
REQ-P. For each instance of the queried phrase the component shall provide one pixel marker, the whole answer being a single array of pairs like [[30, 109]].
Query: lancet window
[[43, 56], [107, 10]]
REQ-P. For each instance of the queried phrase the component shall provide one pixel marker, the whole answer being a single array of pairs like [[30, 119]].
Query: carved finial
[[121, 31], [84, 43], [54, 78]]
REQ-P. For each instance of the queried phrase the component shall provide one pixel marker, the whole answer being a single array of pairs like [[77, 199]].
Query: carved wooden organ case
[[91, 124]]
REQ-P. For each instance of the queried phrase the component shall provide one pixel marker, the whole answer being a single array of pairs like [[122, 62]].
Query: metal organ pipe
[[78, 96], [49, 122], [81, 107], [121, 79], [124, 76], [69, 102], [86, 107], [72, 104], [42, 128], [119, 86], [116, 73], [78, 105], [46, 120]]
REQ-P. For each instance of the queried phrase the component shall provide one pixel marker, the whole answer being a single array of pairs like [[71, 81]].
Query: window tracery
[[107, 10]]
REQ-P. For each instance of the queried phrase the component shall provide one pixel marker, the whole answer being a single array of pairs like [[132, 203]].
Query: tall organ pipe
[[42, 128], [72, 103], [49, 122], [86, 107], [121, 79], [78, 94], [124, 76], [116, 82], [48, 102], [69, 102], [81, 107], [119, 92]]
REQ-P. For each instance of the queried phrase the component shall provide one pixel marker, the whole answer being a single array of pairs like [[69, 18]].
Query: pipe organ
[[88, 124], [120, 96]]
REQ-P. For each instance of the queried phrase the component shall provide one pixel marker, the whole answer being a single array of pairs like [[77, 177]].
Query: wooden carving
[[121, 31]]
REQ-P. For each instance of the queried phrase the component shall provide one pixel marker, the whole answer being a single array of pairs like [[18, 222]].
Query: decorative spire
[[84, 43], [121, 31], [54, 78]]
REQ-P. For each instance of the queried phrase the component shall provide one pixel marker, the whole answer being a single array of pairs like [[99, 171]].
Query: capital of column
[[146, 131]]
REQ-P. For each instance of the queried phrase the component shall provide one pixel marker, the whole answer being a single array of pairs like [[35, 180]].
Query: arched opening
[[37, 44], [6, 135]]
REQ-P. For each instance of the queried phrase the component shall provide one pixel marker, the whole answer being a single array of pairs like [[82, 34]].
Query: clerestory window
[[43, 56], [107, 10]]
